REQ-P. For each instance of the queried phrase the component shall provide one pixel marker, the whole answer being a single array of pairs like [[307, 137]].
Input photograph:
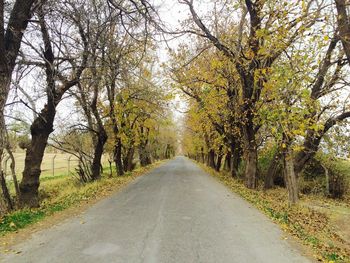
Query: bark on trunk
[[251, 155], [5, 81], [98, 152], [272, 171], [40, 131], [167, 152], [219, 157], [110, 167], [13, 171], [118, 156], [290, 177], [129, 158], [227, 165], [144, 156], [251, 168], [202, 155], [236, 159], [211, 159], [10, 42], [218, 162], [344, 26], [5, 198]]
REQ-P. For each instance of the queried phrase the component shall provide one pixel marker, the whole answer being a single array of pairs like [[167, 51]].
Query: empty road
[[176, 213]]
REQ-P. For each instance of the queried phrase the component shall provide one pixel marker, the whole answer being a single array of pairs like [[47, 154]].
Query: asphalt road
[[176, 213]]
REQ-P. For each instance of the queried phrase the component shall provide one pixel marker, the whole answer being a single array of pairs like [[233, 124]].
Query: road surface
[[176, 213]]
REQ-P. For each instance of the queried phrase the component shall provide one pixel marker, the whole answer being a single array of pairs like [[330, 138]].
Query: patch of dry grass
[[60, 160]]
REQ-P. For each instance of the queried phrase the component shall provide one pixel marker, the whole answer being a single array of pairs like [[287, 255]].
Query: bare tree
[[344, 25], [11, 33], [57, 84]]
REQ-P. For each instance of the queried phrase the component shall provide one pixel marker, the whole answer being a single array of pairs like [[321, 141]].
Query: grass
[[61, 164], [310, 226], [20, 219], [62, 192]]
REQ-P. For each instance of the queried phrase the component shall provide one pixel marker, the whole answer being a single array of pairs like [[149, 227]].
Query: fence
[[54, 164]]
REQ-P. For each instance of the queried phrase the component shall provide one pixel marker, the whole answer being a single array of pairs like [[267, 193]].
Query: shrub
[[338, 185], [314, 180], [313, 186], [313, 170]]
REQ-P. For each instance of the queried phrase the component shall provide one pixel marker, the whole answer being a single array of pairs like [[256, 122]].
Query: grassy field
[[60, 161]]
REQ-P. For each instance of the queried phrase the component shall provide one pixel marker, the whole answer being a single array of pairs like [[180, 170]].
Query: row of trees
[[264, 74], [96, 59]]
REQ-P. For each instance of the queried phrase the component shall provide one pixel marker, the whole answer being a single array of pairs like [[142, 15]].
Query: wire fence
[[54, 164]]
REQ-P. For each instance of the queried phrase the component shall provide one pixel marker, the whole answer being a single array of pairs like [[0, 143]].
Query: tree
[[344, 25], [208, 84], [11, 33], [254, 53], [57, 84]]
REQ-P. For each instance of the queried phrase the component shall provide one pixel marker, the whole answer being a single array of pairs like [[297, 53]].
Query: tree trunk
[[211, 158], [251, 168], [219, 161], [344, 26], [5, 81], [5, 198], [219, 157], [167, 152], [290, 177], [144, 155], [98, 152], [117, 153], [129, 158], [251, 155], [40, 129], [110, 167], [272, 171], [227, 164], [10, 42], [202, 155], [197, 157], [13, 171], [235, 159]]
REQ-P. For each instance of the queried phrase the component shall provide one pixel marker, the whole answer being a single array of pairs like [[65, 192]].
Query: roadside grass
[[313, 227], [61, 192], [60, 164]]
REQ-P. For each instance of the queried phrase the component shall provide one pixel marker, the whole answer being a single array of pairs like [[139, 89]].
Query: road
[[176, 213]]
